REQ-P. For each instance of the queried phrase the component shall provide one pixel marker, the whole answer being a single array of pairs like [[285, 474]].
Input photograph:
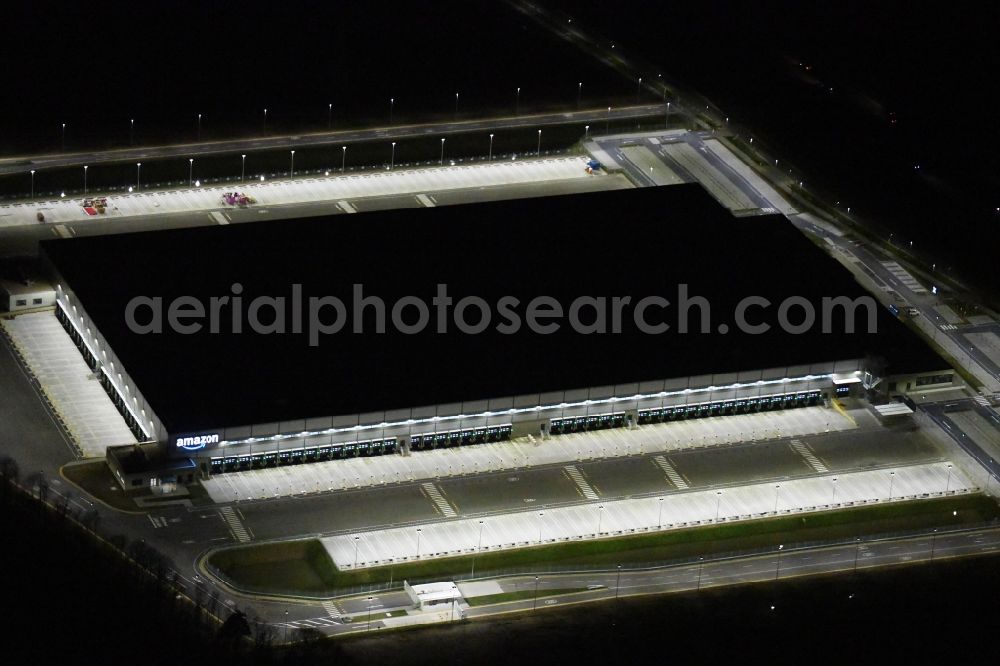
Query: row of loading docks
[[443, 440], [308, 454], [729, 407], [117, 398], [584, 423]]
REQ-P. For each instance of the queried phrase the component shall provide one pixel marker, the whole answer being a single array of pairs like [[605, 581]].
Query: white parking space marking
[[425, 200], [617, 518], [334, 475], [219, 217], [76, 396]]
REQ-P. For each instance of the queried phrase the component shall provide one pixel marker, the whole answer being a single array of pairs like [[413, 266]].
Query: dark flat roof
[[626, 243]]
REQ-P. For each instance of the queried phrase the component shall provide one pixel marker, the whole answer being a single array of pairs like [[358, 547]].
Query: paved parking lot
[[632, 516], [332, 188], [521, 453], [88, 413]]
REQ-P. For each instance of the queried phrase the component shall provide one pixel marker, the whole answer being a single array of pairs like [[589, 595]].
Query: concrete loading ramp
[[522, 453]]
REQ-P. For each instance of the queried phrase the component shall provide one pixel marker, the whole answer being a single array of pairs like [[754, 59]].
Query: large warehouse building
[[503, 319]]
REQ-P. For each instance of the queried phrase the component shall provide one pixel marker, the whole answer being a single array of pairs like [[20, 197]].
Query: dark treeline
[[71, 591]]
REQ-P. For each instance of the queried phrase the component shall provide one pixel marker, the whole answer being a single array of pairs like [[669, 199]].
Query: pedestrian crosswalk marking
[[332, 609], [671, 473], [240, 532], [810, 457], [439, 500], [581, 482], [904, 276]]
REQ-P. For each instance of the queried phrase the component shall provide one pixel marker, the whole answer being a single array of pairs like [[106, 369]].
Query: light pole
[[265, 121], [392, 103], [638, 90], [777, 570], [777, 489], [579, 92], [243, 167], [833, 500], [618, 582], [534, 606], [659, 516], [479, 547], [586, 131], [600, 517], [490, 158], [190, 171], [329, 116], [357, 540], [947, 486], [418, 543], [701, 564], [456, 106], [933, 543], [442, 152], [857, 551], [718, 504], [392, 157], [291, 173], [369, 628], [607, 122], [199, 127], [131, 131], [517, 102], [64, 137], [540, 514], [892, 477], [32, 183], [286, 627], [538, 149], [138, 176], [343, 157], [85, 180]]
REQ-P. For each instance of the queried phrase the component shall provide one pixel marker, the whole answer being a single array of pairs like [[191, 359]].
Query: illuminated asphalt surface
[[184, 534], [23, 164], [23, 240]]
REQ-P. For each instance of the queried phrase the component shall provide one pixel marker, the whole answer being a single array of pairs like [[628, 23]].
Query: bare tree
[[9, 470]]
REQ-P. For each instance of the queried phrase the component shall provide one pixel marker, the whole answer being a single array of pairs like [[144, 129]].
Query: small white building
[[17, 296], [431, 595]]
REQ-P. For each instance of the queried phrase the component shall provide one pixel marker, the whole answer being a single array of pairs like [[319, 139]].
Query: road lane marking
[[229, 515], [439, 500], [809, 456], [671, 473], [580, 482]]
